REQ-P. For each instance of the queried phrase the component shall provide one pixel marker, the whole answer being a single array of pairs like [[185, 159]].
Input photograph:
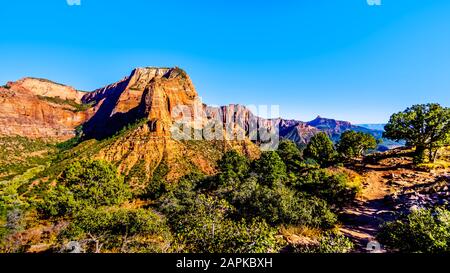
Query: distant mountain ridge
[[301, 132], [142, 103], [33, 107], [373, 126]]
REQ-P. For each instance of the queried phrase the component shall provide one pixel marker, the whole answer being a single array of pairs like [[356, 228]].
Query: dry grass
[[355, 179], [441, 163], [438, 165], [302, 231]]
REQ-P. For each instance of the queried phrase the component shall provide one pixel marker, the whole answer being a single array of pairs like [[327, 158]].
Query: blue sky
[[340, 59]]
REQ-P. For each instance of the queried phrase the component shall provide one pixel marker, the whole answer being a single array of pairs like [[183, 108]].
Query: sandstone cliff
[[149, 93], [132, 126], [131, 123], [38, 108]]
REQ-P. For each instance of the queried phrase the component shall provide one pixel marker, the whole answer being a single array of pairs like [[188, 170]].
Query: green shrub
[[58, 202], [119, 230], [158, 184], [13, 204], [270, 169], [354, 144], [205, 227], [255, 236], [423, 126], [96, 182], [179, 196], [336, 189], [84, 183], [321, 149], [329, 243], [425, 231], [233, 167], [19, 154], [11, 221], [291, 156], [280, 205]]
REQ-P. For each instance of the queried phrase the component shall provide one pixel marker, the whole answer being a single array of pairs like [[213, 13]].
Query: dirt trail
[[385, 181], [363, 219], [382, 179]]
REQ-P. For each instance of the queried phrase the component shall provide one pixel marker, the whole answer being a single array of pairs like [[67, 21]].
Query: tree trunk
[[97, 246], [124, 242], [419, 154], [435, 154]]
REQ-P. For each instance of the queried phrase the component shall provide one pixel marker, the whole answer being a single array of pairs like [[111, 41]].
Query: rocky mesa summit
[[39, 108]]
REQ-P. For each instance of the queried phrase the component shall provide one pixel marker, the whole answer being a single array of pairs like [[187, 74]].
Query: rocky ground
[[392, 185]]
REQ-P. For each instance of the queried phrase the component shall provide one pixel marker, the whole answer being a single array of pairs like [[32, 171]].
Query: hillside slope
[[135, 123], [38, 108]]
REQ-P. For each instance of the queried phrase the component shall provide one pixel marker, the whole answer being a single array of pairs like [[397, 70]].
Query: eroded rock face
[[300, 133], [141, 152], [149, 97], [154, 96], [150, 93], [39, 108], [27, 109], [46, 88], [147, 93]]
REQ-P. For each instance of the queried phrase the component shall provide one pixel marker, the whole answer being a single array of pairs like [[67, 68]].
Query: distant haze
[[379, 127]]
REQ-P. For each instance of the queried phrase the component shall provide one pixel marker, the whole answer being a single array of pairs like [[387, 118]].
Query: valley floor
[[391, 185]]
